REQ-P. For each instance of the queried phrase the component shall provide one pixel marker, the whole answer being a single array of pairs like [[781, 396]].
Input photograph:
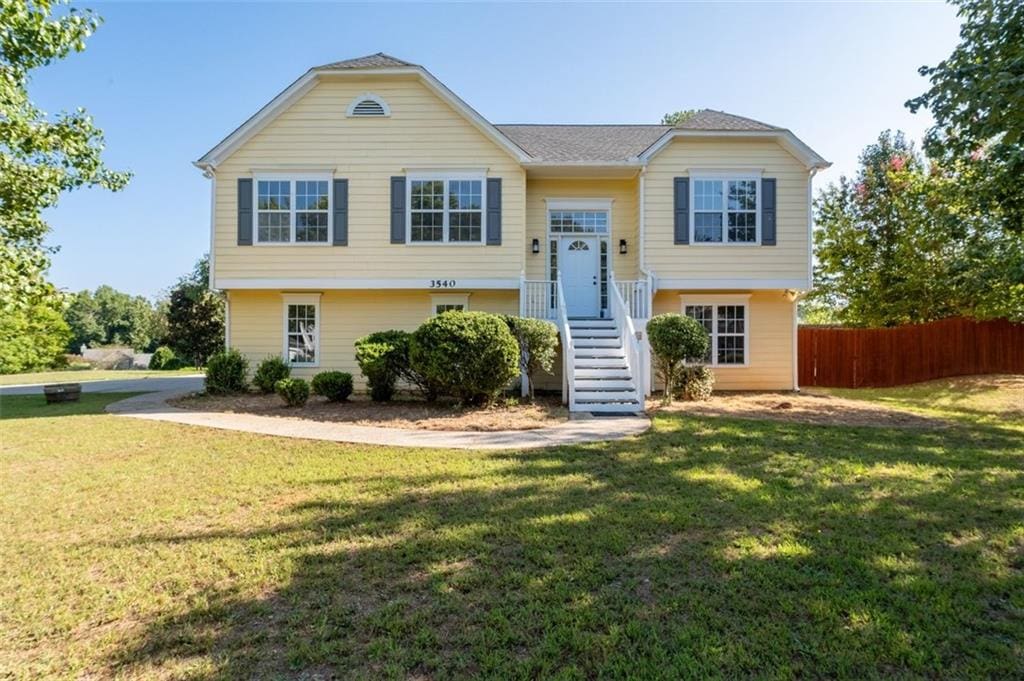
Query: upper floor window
[[292, 211], [446, 210], [725, 210]]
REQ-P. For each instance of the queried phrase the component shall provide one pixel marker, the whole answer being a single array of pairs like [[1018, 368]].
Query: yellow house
[[368, 196]]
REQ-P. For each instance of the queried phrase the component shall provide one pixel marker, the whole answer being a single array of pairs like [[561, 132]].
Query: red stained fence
[[863, 358]]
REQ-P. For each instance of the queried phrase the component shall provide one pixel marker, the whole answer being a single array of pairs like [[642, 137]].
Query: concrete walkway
[[154, 407]]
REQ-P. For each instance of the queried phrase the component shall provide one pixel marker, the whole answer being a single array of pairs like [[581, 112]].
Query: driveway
[[121, 385]]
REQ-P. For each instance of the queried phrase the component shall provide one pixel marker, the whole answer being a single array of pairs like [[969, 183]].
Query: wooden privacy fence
[[862, 358]]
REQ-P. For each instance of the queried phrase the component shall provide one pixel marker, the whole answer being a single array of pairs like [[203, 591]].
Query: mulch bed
[[823, 410], [405, 413]]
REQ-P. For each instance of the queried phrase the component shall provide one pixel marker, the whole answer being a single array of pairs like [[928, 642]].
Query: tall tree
[[195, 315], [40, 157], [110, 317], [977, 99], [677, 117]]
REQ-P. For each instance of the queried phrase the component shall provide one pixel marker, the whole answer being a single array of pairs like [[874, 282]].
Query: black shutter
[[398, 209], [682, 210], [767, 211], [245, 211], [341, 212], [494, 211]]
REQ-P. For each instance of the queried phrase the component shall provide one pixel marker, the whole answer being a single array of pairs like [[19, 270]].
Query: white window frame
[[291, 179], [448, 299], [714, 301], [301, 299], [724, 177], [445, 178]]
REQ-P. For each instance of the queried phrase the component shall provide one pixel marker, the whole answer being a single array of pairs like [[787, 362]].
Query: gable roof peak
[[378, 60]]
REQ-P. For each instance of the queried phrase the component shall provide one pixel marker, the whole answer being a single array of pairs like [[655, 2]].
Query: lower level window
[[449, 302], [446, 307], [726, 325], [302, 337]]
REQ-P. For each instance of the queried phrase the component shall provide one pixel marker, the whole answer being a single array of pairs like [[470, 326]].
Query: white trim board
[[785, 138], [727, 284], [328, 283]]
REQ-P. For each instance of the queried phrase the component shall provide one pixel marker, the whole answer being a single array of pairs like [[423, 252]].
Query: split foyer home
[[369, 196]]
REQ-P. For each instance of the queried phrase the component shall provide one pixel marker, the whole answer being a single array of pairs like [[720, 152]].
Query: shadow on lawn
[[706, 548]]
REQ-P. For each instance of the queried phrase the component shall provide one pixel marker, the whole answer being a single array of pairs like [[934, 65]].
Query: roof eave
[[810, 158]]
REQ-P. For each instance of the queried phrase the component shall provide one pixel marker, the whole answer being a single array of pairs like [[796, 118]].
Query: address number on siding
[[442, 283]]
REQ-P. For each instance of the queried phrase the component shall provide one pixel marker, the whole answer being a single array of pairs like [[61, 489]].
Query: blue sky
[[167, 81]]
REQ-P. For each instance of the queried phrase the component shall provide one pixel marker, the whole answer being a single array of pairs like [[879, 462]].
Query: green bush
[[294, 391], [471, 356], [538, 344], [675, 339], [336, 386], [225, 372], [269, 372], [163, 356], [380, 363], [696, 383]]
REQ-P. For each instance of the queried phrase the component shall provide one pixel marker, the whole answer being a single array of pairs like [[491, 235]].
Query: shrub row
[[471, 356], [226, 373]]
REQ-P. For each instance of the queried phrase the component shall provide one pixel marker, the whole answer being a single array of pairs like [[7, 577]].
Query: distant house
[[367, 196]]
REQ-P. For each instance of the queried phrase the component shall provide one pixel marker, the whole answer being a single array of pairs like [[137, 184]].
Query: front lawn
[[709, 547], [85, 375]]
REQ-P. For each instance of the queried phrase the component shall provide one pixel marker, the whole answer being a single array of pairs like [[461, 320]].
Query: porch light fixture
[[622, 247], [535, 247]]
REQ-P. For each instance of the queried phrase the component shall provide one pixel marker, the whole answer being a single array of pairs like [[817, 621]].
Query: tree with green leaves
[[677, 117], [977, 100], [40, 158], [195, 315], [110, 317]]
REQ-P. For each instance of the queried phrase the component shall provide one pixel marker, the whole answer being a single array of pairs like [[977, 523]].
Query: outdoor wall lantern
[[622, 247], [535, 248]]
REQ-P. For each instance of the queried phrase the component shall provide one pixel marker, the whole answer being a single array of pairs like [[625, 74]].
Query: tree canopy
[[677, 117]]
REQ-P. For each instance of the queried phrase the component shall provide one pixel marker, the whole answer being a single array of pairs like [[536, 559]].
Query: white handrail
[[537, 299], [568, 369], [627, 335]]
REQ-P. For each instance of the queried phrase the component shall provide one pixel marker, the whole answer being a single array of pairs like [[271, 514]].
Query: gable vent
[[368, 106]]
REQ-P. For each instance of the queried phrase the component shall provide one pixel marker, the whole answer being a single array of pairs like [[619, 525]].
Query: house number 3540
[[442, 283]]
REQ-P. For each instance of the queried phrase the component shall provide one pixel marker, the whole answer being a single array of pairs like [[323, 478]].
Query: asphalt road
[[120, 385]]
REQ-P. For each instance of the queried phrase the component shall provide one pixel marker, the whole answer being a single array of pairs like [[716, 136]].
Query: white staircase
[[603, 381]]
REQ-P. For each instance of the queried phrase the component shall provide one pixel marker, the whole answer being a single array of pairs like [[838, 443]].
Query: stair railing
[[568, 366], [627, 336]]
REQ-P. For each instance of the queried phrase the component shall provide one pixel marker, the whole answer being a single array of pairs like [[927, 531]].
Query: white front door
[[578, 265]]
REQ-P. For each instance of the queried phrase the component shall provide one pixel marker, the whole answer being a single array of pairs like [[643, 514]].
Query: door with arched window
[[579, 266]]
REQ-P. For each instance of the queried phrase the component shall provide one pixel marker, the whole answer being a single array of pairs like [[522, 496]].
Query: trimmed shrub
[[225, 372], [269, 372], [675, 339], [336, 386], [471, 356], [380, 363], [161, 357], [538, 343], [696, 383], [294, 391]]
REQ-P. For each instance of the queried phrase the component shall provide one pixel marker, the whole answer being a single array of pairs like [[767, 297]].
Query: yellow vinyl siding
[[624, 219], [422, 132], [789, 259], [257, 322], [770, 339]]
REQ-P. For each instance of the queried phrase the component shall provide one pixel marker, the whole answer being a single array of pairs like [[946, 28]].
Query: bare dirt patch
[[824, 410], [408, 414]]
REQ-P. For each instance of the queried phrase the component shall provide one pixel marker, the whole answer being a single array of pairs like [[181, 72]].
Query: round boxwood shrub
[[336, 386], [675, 339], [225, 372], [471, 356], [383, 358], [696, 382], [269, 372], [161, 357], [294, 391]]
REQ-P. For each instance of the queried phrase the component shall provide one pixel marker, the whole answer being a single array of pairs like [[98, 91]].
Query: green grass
[[84, 375], [706, 548], [35, 406]]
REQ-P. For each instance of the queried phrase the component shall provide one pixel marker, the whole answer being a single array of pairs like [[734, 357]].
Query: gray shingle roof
[[612, 143], [370, 61]]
